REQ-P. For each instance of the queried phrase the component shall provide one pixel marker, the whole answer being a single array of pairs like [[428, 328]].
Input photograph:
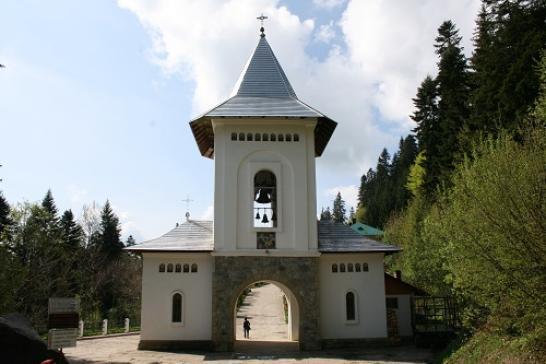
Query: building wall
[[157, 290], [369, 288], [403, 314], [293, 163]]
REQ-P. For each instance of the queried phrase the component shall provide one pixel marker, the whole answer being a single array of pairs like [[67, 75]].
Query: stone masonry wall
[[233, 274]]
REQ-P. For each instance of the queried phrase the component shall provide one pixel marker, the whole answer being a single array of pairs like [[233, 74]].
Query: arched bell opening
[[265, 200], [258, 308]]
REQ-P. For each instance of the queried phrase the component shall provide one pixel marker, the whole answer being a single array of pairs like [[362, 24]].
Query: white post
[[80, 328], [104, 326], [127, 324]]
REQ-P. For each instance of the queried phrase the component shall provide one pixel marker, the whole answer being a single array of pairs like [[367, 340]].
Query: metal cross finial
[[262, 18], [187, 201]]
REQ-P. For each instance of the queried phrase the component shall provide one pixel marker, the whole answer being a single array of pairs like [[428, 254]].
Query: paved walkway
[[264, 309], [123, 350]]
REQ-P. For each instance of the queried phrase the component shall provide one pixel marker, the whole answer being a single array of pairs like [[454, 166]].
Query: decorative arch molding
[[297, 277], [177, 307]]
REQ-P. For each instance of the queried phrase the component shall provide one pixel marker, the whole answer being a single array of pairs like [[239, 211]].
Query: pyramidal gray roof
[[262, 91], [190, 236], [263, 76]]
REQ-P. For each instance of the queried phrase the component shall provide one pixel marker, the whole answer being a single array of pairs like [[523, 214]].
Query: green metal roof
[[366, 230]]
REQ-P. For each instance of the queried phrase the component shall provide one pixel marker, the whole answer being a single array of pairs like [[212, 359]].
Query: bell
[[265, 220], [258, 215], [274, 216], [263, 196]]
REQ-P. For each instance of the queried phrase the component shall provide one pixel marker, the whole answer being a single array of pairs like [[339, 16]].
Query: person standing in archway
[[246, 328]]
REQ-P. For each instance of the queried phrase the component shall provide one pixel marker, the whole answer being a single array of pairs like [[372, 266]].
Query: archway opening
[[273, 313]]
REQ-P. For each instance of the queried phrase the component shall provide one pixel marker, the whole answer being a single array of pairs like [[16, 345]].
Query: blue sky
[[96, 95]]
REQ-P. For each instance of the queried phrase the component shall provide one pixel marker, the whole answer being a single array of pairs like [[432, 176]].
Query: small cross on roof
[[262, 18]]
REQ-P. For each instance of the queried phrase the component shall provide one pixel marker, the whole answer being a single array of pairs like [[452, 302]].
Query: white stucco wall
[[157, 290], [403, 314], [236, 163], [370, 290]]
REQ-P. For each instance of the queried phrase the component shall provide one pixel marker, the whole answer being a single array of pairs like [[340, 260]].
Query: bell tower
[[264, 142]]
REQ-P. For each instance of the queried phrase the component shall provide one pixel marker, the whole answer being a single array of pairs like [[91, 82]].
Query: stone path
[[264, 309]]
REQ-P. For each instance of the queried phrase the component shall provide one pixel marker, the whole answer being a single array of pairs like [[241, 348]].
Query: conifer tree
[[453, 90], [48, 204], [326, 215], [72, 232], [110, 235], [339, 211], [5, 220]]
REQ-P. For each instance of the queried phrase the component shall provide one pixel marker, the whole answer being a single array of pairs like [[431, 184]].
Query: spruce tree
[[48, 204], [109, 240], [339, 211], [453, 90], [72, 232], [510, 36], [5, 220], [326, 215]]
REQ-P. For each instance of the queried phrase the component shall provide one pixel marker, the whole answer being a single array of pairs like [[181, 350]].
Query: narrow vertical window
[[264, 211], [342, 267], [178, 268], [364, 267], [233, 136], [249, 137], [169, 268], [177, 308], [357, 267], [162, 268], [265, 137], [296, 138], [334, 268], [194, 268], [273, 138], [242, 137], [281, 138], [350, 306], [186, 268], [288, 137], [258, 137], [350, 267]]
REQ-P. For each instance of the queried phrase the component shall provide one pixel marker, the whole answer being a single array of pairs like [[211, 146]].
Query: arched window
[[288, 137], [350, 306], [281, 138], [258, 137], [194, 268], [342, 267], [233, 136], [357, 267], [178, 268], [162, 268], [350, 267], [264, 213], [364, 267], [273, 138], [186, 268], [242, 136], [334, 268], [249, 137], [296, 138], [265, 137], [176, 314], [169, 268]]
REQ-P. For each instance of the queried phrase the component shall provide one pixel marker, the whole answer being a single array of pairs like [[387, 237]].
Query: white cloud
[[348, 193], [328, 4], [208, 214], [326, 32], [366, 86]]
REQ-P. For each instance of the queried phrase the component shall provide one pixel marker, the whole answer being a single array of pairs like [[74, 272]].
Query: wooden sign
[[61, 338]]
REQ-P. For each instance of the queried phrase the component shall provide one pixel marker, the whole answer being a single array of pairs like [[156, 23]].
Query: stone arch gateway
[[299, 276]]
